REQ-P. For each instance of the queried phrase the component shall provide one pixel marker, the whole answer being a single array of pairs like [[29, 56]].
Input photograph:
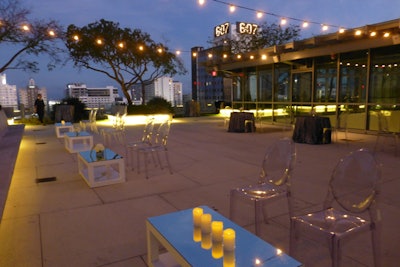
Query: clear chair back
[[277, 162], [354, 180]]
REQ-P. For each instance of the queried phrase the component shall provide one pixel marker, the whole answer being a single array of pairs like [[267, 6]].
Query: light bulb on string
[[232, 8], [25, 27], [202, 2]]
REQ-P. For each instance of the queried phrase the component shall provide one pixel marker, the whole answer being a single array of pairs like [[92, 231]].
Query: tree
[[128, 56], [22, 38]]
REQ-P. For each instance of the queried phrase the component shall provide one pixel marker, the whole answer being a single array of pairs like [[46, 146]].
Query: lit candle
[[206, 231], [62, 122], [229, 239], [197, 213], [217, 228], [229, 247]]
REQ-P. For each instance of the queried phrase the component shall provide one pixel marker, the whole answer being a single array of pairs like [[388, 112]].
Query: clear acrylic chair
[[90, 124], [154, 149], [117, 132], [145, 140], [84, 123], [384, 133], [349, 208], [272, 183]]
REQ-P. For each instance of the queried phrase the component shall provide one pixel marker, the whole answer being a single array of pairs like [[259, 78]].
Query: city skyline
[[183, 24]]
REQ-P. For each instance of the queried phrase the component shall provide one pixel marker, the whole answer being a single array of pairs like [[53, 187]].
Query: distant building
[[28, 95], [208, 85], [163, 87], [93, 97], [8, 93]]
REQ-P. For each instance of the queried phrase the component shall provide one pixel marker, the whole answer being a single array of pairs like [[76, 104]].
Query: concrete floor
[[66, 223]]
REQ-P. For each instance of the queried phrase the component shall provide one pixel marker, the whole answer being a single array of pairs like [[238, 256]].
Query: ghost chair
[[384, 133], [272, 184], [155, 148], [84, 123], [349, 208], [117, 132], [146, 140], [90, 124]]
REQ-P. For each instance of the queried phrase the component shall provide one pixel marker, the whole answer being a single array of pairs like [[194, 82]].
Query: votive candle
[[229, 236], [217, 228], [206, 231], [197, 213]]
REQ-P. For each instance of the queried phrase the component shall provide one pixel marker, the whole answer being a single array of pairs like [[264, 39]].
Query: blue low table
[[78, 141], [62, 128], [174, 232], [100, 172]]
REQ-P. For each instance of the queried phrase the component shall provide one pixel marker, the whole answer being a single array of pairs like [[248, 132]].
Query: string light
[[260, 13], [25, 28]]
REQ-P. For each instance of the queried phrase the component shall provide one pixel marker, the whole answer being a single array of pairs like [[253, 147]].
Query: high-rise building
[[8, 93], [207, 83], [164, 87], [28, 95], [93, 97]]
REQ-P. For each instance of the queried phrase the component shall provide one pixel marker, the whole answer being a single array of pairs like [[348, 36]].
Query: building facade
[[164, 87], [207, 86], [93, 97], [356, 72], [28, 95], [8, 93]]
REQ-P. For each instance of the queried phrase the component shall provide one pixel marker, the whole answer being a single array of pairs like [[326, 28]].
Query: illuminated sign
[[241, 28], [246, 28], [222, 29]]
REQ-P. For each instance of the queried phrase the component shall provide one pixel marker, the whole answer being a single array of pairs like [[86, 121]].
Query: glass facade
[[357, 83]]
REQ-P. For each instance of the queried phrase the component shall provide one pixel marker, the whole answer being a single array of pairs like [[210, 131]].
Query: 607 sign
[[246, 28], [221, 29]]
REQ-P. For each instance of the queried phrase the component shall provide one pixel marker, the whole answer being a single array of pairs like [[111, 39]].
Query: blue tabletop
[[65, 124], [73, 134], [177, 228], [90, 156]]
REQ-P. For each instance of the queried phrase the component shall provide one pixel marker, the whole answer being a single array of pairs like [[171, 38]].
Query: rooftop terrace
[[66, 223]]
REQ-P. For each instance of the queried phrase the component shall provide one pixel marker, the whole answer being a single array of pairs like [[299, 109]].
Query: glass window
[[385, 75], [353, 77], [265, 85], [252, 81], [325, 79], [281, 85], [236, 88], [302, 83]]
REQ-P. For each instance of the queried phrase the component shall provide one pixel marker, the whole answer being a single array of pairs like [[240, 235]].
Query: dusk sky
[[183, 24]]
